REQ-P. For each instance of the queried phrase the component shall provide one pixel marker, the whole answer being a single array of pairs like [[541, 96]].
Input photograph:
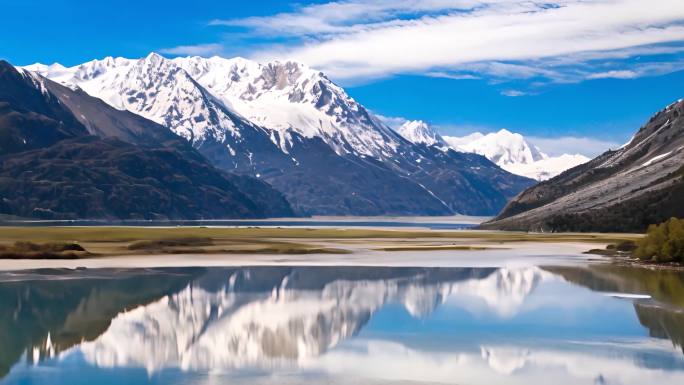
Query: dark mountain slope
[[623, 190], [55, 168], [101, 120], [468, 183], [107, 178], [30, 118]]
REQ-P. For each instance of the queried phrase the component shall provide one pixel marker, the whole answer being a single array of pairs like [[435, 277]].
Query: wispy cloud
[[393, 122], [560, 40], [194, 50], [450, 75], [617, 74], [513, 93], [346, 16]]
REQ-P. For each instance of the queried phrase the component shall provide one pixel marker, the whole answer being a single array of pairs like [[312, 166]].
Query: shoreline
[[523, 254], [145, 247]]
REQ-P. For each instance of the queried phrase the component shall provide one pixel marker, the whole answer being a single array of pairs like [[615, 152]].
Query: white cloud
[[346, 16], [393, 122], [624, 74], [194, 50], [365, 39], [513, 93], [448, 75], [590, 147]]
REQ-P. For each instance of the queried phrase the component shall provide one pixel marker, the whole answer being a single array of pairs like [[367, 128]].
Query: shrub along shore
[[663, 242]]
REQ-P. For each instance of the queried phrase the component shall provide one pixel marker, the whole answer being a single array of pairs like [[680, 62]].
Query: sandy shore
[[511, 254]]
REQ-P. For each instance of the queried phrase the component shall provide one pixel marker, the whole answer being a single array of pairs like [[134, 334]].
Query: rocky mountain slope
[[67, 155], [292, 127], [623, 190]]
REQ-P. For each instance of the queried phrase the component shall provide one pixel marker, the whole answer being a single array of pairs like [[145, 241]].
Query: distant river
[[434, 223]]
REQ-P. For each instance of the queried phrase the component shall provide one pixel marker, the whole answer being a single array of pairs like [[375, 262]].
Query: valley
[[459, 192]]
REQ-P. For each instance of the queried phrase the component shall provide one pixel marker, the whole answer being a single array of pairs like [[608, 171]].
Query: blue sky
[[588, 71]]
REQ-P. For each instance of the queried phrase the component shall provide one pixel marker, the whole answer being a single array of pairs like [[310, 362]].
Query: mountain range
[[510, 151], [290, 126], [220, 138], [627, 189], [67, 155]]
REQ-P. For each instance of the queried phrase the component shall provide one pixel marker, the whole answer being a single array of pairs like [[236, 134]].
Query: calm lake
[[590, 324], [457, 222]]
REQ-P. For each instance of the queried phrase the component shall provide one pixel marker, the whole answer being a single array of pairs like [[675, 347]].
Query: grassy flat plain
[[124, 240]]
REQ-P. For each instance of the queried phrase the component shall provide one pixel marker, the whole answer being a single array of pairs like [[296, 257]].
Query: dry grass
[[432, 248], [30, 250], [125, 240]]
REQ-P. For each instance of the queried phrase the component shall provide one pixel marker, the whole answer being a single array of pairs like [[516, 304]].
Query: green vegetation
[[663, 242], [164, 243], [615, 249], [133, 233]]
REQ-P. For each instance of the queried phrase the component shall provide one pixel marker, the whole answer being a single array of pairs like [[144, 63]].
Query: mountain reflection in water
[[279, 324]]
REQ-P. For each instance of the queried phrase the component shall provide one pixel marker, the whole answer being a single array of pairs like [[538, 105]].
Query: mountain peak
[[152, 56], [512, 152], [289, 97], [505, 147], [420, 132]]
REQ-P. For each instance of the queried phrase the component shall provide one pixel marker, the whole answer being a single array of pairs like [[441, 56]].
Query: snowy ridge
[[513, 153], [417, 131], [508, 150], [286, 96], [156, 89], [547, 168], [199, 97], [502, 147]]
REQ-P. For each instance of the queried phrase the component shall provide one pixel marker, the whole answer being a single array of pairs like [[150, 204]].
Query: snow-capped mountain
[[215, 97], [418, 131], [547, 167], [512, 152], [502, 147], [291, 126], [156, 89], [289, 96]]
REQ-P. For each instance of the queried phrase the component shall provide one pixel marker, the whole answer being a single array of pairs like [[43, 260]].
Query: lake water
[[459, 222], [592, 324]]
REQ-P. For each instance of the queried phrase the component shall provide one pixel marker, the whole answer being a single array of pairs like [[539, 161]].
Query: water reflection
[[343, 325], [663, 316]]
